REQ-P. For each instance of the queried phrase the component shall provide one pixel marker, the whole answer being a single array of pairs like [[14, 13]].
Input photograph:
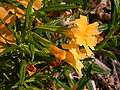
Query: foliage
[[26, 61]]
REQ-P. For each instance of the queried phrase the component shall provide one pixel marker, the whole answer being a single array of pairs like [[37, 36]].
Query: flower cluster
[[83, 38]]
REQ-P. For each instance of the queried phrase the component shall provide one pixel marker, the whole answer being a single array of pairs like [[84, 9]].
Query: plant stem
[[28, 12]]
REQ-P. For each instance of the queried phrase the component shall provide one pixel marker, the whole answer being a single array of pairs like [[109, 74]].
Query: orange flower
[[36, 5], [57, 52], [72, 46], [84, 34], [31, 69], [72, 57]]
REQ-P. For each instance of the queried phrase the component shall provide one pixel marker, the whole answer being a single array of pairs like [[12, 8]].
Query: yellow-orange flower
[[73, 46], [36, 5], [84, 34], [57, 52], [72, 57]]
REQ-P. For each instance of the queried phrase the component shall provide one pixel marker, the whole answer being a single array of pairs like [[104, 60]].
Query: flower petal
[[82, 54], [74, 62], [82, 23], [57, 52], [92, 29], [69, 34], [99, 38], [89, 52], [91, 41], [79, 67], [70, 58]]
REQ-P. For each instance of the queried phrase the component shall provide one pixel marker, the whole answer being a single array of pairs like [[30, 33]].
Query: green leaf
[[99, 68], [40, 39], [69, 78], [50, 28], [103, 27], [83, 80], [109, 54], [42, 52], [32, 79], [22, 74], [32, 49], [59, 7], [32, 88], [27, 16], [61, 84], [117, 5], [113, 42]]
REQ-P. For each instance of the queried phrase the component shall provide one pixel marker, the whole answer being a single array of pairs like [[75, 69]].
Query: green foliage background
[[33, 42]]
